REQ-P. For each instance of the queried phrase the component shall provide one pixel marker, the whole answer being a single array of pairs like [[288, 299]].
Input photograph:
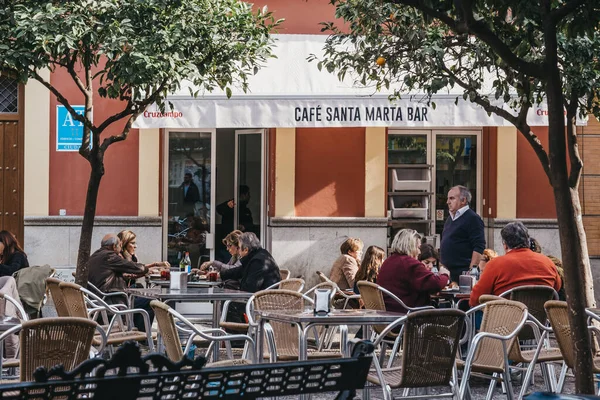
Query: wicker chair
[[293, 284], [284, 274], [282, 338], [534, 297], [430, 339], [57, 297], [78, 298], [165, 317], [339, 293], [47, 342], [488, 353], [558, 315], [372, 297]]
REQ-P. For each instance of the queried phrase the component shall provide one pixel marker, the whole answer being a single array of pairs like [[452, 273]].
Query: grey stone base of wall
[[54, 240], [307, 245]]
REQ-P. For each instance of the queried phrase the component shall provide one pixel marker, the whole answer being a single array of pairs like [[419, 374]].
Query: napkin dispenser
[[178, 280], [322, 301]]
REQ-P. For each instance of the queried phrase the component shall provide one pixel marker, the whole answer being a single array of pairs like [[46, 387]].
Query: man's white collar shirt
[[460, 212]]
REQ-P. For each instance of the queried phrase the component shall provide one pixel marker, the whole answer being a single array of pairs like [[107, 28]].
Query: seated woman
[[232, 243], [344, 269], [128, 252], [406, 277], [12, 259], [12, 256], [429, 257], [369, 267]]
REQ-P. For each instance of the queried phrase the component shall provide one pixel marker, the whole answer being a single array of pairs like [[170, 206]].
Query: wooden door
[[11, 156]]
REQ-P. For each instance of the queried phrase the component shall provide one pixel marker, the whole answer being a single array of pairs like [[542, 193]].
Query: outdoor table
[[453, 295], [195, 284], [308, 319], [215, 294]]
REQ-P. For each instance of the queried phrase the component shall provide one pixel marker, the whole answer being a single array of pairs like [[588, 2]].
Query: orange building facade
[[311, 183]]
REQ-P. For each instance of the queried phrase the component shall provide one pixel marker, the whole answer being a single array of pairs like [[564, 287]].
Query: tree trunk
[[578, 280], [87, 227]]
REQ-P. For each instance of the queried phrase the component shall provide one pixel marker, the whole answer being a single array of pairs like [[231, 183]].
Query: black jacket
[[15, 262], [257, 272]]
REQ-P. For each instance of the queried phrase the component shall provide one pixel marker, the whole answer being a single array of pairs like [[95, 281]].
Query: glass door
[[457, 162], [189, 195], [249, 182]]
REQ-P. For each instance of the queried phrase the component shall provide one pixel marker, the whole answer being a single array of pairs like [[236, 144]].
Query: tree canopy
[[135, 51], [494, 50]]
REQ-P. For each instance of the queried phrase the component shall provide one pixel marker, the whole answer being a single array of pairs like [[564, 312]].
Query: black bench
[[129, 375]]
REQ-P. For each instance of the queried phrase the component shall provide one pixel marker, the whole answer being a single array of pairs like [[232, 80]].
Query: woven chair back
[[74, 299], [57, 296], [284, 274], [168, 330], [372, 299], [429, 346], [286, 335], [534, 297], [501, 317], [293, 284], [47, 342], [558, 315]]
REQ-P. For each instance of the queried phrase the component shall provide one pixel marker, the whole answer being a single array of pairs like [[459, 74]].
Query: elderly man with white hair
[[106, 268], [463, 239]]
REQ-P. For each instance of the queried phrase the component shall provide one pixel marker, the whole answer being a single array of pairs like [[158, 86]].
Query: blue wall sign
[[69, 131]]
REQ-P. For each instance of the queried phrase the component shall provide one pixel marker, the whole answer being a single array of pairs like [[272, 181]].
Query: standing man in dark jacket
[[463, 239], [257, 272]]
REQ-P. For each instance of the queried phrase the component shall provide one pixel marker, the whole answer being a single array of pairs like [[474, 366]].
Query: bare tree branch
[[573, 146], [62, 100], [519, 121], [70, 66], [133, 107], [118, 138]]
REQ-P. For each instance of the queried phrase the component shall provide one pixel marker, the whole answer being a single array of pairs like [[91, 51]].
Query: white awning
[[291, 92]]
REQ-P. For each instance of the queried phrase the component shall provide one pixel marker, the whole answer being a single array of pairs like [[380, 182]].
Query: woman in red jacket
[[406, 277]]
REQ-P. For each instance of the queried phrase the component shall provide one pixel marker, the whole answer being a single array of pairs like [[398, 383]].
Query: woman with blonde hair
[[406, 277], [344, 269], [128, 252], [232, 243]]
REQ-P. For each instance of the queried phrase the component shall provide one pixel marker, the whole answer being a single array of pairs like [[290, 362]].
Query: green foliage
[[494, 50], [137, 48]]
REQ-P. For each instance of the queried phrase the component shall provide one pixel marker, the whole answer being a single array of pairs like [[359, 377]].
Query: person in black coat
[[190, 194], [12, 256], [257, 272]]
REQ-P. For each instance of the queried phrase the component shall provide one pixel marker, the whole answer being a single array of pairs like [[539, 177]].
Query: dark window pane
[[9, 95]]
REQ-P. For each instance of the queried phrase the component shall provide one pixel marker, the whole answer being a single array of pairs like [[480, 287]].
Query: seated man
[[106, 268], [518, 267], [257, 272]]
